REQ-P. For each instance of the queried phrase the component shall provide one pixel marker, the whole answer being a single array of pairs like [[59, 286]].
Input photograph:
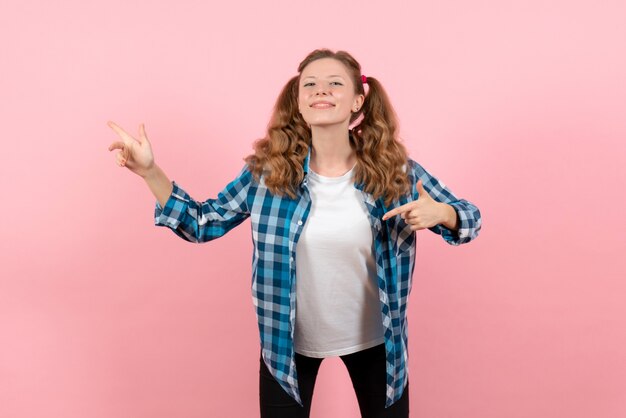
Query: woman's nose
[[320, 88]]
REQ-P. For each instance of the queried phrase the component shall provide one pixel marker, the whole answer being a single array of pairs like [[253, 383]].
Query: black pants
[[368, 375]]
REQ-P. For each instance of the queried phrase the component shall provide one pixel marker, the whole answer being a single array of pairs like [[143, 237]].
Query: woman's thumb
[[142, 132], [420, 189]]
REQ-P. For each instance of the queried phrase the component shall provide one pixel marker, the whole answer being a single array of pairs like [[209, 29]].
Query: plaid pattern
[[276, 226]]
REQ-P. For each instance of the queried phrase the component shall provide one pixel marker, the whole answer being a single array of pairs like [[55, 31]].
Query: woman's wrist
[[450, 219], [151, 172]]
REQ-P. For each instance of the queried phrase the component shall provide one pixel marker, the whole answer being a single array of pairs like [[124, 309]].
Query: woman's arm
[[191, 220], [159, 184], [465, 224], [196, 221]]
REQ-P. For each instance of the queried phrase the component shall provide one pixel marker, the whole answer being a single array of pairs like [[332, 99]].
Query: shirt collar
[[306, 162]]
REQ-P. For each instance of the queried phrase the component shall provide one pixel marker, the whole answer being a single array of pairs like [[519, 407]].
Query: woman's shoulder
[[412, 167], [253, 177], [244, 178], [416, 171]]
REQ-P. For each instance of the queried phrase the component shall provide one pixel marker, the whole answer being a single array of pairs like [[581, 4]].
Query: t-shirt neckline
[[327, 179]]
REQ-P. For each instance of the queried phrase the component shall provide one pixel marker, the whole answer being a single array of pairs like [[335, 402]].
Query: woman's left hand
[[425, 212]]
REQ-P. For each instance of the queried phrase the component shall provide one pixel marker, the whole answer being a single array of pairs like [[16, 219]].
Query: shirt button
[[291, 259], [299, 222]]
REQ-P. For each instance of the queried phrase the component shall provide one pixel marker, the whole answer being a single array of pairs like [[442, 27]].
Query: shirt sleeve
[[199, 222], [469, 215]]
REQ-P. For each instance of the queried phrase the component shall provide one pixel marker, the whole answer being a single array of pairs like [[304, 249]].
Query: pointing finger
[[118, 130], [397, 211]]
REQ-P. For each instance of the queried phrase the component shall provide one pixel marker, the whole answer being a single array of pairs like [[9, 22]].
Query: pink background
[[518, 106]]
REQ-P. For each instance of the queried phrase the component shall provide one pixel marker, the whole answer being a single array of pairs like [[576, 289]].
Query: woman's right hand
[[135, 154]]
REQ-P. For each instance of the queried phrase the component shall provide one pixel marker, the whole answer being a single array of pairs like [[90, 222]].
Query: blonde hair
[[280, 155]]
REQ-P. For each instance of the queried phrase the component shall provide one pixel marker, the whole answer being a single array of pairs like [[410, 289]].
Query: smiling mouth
[[322, 106]]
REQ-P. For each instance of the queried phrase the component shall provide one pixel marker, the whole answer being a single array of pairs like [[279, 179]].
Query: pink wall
[[518, 106]]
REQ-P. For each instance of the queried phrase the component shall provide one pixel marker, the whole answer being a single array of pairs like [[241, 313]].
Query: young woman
[[334, 203]]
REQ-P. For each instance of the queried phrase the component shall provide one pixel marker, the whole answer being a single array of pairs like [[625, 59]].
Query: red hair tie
[[364, 79]]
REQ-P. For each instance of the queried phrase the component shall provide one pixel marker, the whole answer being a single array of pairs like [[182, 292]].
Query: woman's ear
[[360, 100]]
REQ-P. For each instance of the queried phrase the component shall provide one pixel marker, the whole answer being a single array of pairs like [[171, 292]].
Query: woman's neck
[[332, 154]]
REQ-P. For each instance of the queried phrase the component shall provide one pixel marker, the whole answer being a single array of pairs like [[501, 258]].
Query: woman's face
[[326, 93]]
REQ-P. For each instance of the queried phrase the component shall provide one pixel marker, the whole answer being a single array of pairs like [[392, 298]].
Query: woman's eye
[[332, 82]]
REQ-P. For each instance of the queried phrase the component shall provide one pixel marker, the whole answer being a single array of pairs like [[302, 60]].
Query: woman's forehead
[[324, 68]]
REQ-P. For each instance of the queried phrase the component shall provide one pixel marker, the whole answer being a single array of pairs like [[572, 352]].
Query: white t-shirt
[[338, 308]]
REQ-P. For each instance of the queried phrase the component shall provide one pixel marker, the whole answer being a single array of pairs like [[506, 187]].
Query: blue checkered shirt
[[277, 223]]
